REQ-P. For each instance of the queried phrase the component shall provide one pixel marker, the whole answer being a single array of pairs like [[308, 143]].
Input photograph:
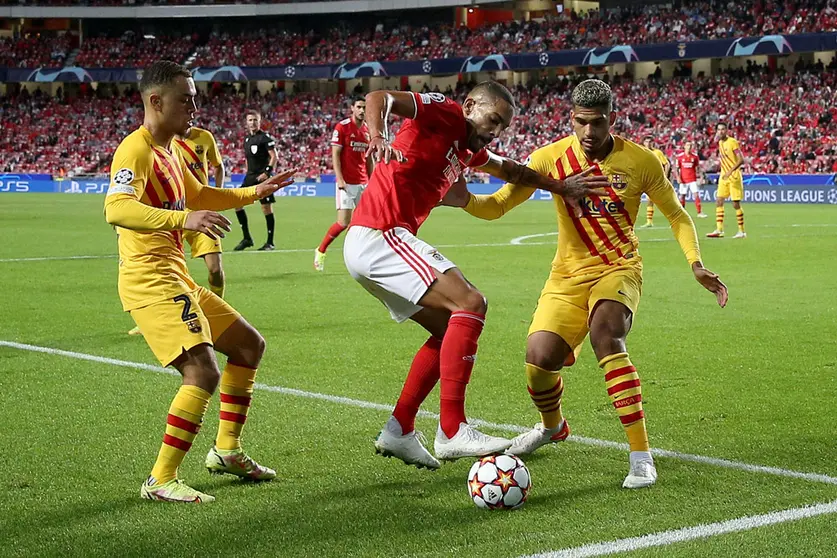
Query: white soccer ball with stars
[[499, 482]]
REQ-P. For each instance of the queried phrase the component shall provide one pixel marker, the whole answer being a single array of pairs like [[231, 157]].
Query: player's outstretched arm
[[200, 197], [572, 189], [126, 211]]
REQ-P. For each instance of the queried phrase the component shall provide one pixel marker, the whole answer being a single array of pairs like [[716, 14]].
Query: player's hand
[[262, 176], [341, 184], [277, 181], [382, 151], [210, 223], [580, 186], [712, 283], [725, 176]]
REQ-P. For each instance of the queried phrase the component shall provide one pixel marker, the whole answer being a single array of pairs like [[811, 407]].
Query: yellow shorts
[[201, 244], [185, 321], [732, 188], [566, 302]]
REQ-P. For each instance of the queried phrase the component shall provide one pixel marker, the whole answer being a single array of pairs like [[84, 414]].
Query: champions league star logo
[[832, 196], [484, 63], [290, 71], [543, 58], [71, 73], [367, 69], [779, 43], [622, 53], [426, 67], [219, 74]]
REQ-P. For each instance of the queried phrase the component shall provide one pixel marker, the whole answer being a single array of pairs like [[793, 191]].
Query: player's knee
[[474, 302], [216, 277], [544, 357]]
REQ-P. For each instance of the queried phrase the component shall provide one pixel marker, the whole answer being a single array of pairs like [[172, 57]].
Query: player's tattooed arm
[[379, 105], [572, 189]]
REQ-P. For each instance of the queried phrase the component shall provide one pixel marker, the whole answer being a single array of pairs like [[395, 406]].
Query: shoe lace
[[642, 468], [420, 437]]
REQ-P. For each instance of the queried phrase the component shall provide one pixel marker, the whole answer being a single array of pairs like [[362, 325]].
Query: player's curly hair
[[593, 93], [495, 90], [162, 72]]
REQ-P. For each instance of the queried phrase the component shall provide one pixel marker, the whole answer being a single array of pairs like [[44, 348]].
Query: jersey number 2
[[187, 315]]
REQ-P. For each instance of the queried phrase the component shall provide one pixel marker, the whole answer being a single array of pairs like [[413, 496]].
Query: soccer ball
[[499, 482]]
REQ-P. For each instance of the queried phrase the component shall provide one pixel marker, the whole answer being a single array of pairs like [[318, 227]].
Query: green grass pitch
[[753, 383]]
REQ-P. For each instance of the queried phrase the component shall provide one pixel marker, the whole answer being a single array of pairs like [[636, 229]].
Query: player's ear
[[156, 101], [612, 117], [468, 106]]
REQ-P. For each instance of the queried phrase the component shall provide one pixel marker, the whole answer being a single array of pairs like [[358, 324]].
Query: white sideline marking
[[729, 464], [703, 531], [517, 241]]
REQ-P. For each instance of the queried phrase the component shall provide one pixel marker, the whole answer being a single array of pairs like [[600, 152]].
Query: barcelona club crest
[[618, 182], [199, 149], [194, 326]]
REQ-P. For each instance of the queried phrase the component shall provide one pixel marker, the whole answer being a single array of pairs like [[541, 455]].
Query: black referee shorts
[[252, 180]]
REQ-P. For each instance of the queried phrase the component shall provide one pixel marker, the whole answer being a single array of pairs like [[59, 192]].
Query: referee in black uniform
[[260, 150]]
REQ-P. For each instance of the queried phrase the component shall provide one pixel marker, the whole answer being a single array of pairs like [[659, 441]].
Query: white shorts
[[686, 187], [395, 266], [349, 197]]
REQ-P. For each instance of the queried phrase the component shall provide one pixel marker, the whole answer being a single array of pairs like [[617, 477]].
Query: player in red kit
[[438, 140], [352, 168], [691, 176]]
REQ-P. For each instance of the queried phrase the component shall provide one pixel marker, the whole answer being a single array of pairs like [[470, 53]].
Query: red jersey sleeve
[[479, 158], [338, 135]]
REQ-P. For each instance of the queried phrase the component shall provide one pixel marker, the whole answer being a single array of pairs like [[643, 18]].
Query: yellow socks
[[649, 214], [624, 390], [545, 389], [182, 425], [739, 214], [236, 392], [719, 218]]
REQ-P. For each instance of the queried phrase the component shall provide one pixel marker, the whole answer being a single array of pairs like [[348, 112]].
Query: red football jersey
[[354, 142], [435, 144], [688, 165]]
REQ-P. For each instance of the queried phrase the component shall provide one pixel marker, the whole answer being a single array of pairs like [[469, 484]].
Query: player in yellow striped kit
[[596, 277]]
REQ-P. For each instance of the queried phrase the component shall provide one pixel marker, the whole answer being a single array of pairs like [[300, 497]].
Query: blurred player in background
[[260, 152], [150, 191], [596, 277], [198, 149], [730, 181], [690, 176], [413, 280], [648, 142], [352, 169]]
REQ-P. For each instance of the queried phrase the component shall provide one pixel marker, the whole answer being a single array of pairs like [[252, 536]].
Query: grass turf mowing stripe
[[726, 463]]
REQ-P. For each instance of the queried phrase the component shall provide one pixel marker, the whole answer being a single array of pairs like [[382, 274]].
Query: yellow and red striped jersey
[[604, 234], [149, 193], [727, 148], [198, 151]]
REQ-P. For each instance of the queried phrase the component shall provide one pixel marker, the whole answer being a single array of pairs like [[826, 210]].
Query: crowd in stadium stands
[[35, 51], [785, 122], [247, 43]]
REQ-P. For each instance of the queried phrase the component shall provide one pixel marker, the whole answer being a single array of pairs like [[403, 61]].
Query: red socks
[[424, 373], [458, 353], [333, 232], [697, 203]]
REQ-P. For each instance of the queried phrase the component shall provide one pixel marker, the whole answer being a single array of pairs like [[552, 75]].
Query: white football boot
[[642, 473], [539, 436], [702, 215], [740, 234], [406, 447], [468, 442]]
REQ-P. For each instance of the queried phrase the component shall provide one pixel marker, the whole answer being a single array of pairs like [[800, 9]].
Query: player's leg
[[649, 214], [270, 221], [722, 195], [681, 191], [177, 332], [234, 337], [737, 194], [399, 438], [407, 274], [555, 335], [615, 299], [345, 205], [215, 269], [201, 246], [695, 189]]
